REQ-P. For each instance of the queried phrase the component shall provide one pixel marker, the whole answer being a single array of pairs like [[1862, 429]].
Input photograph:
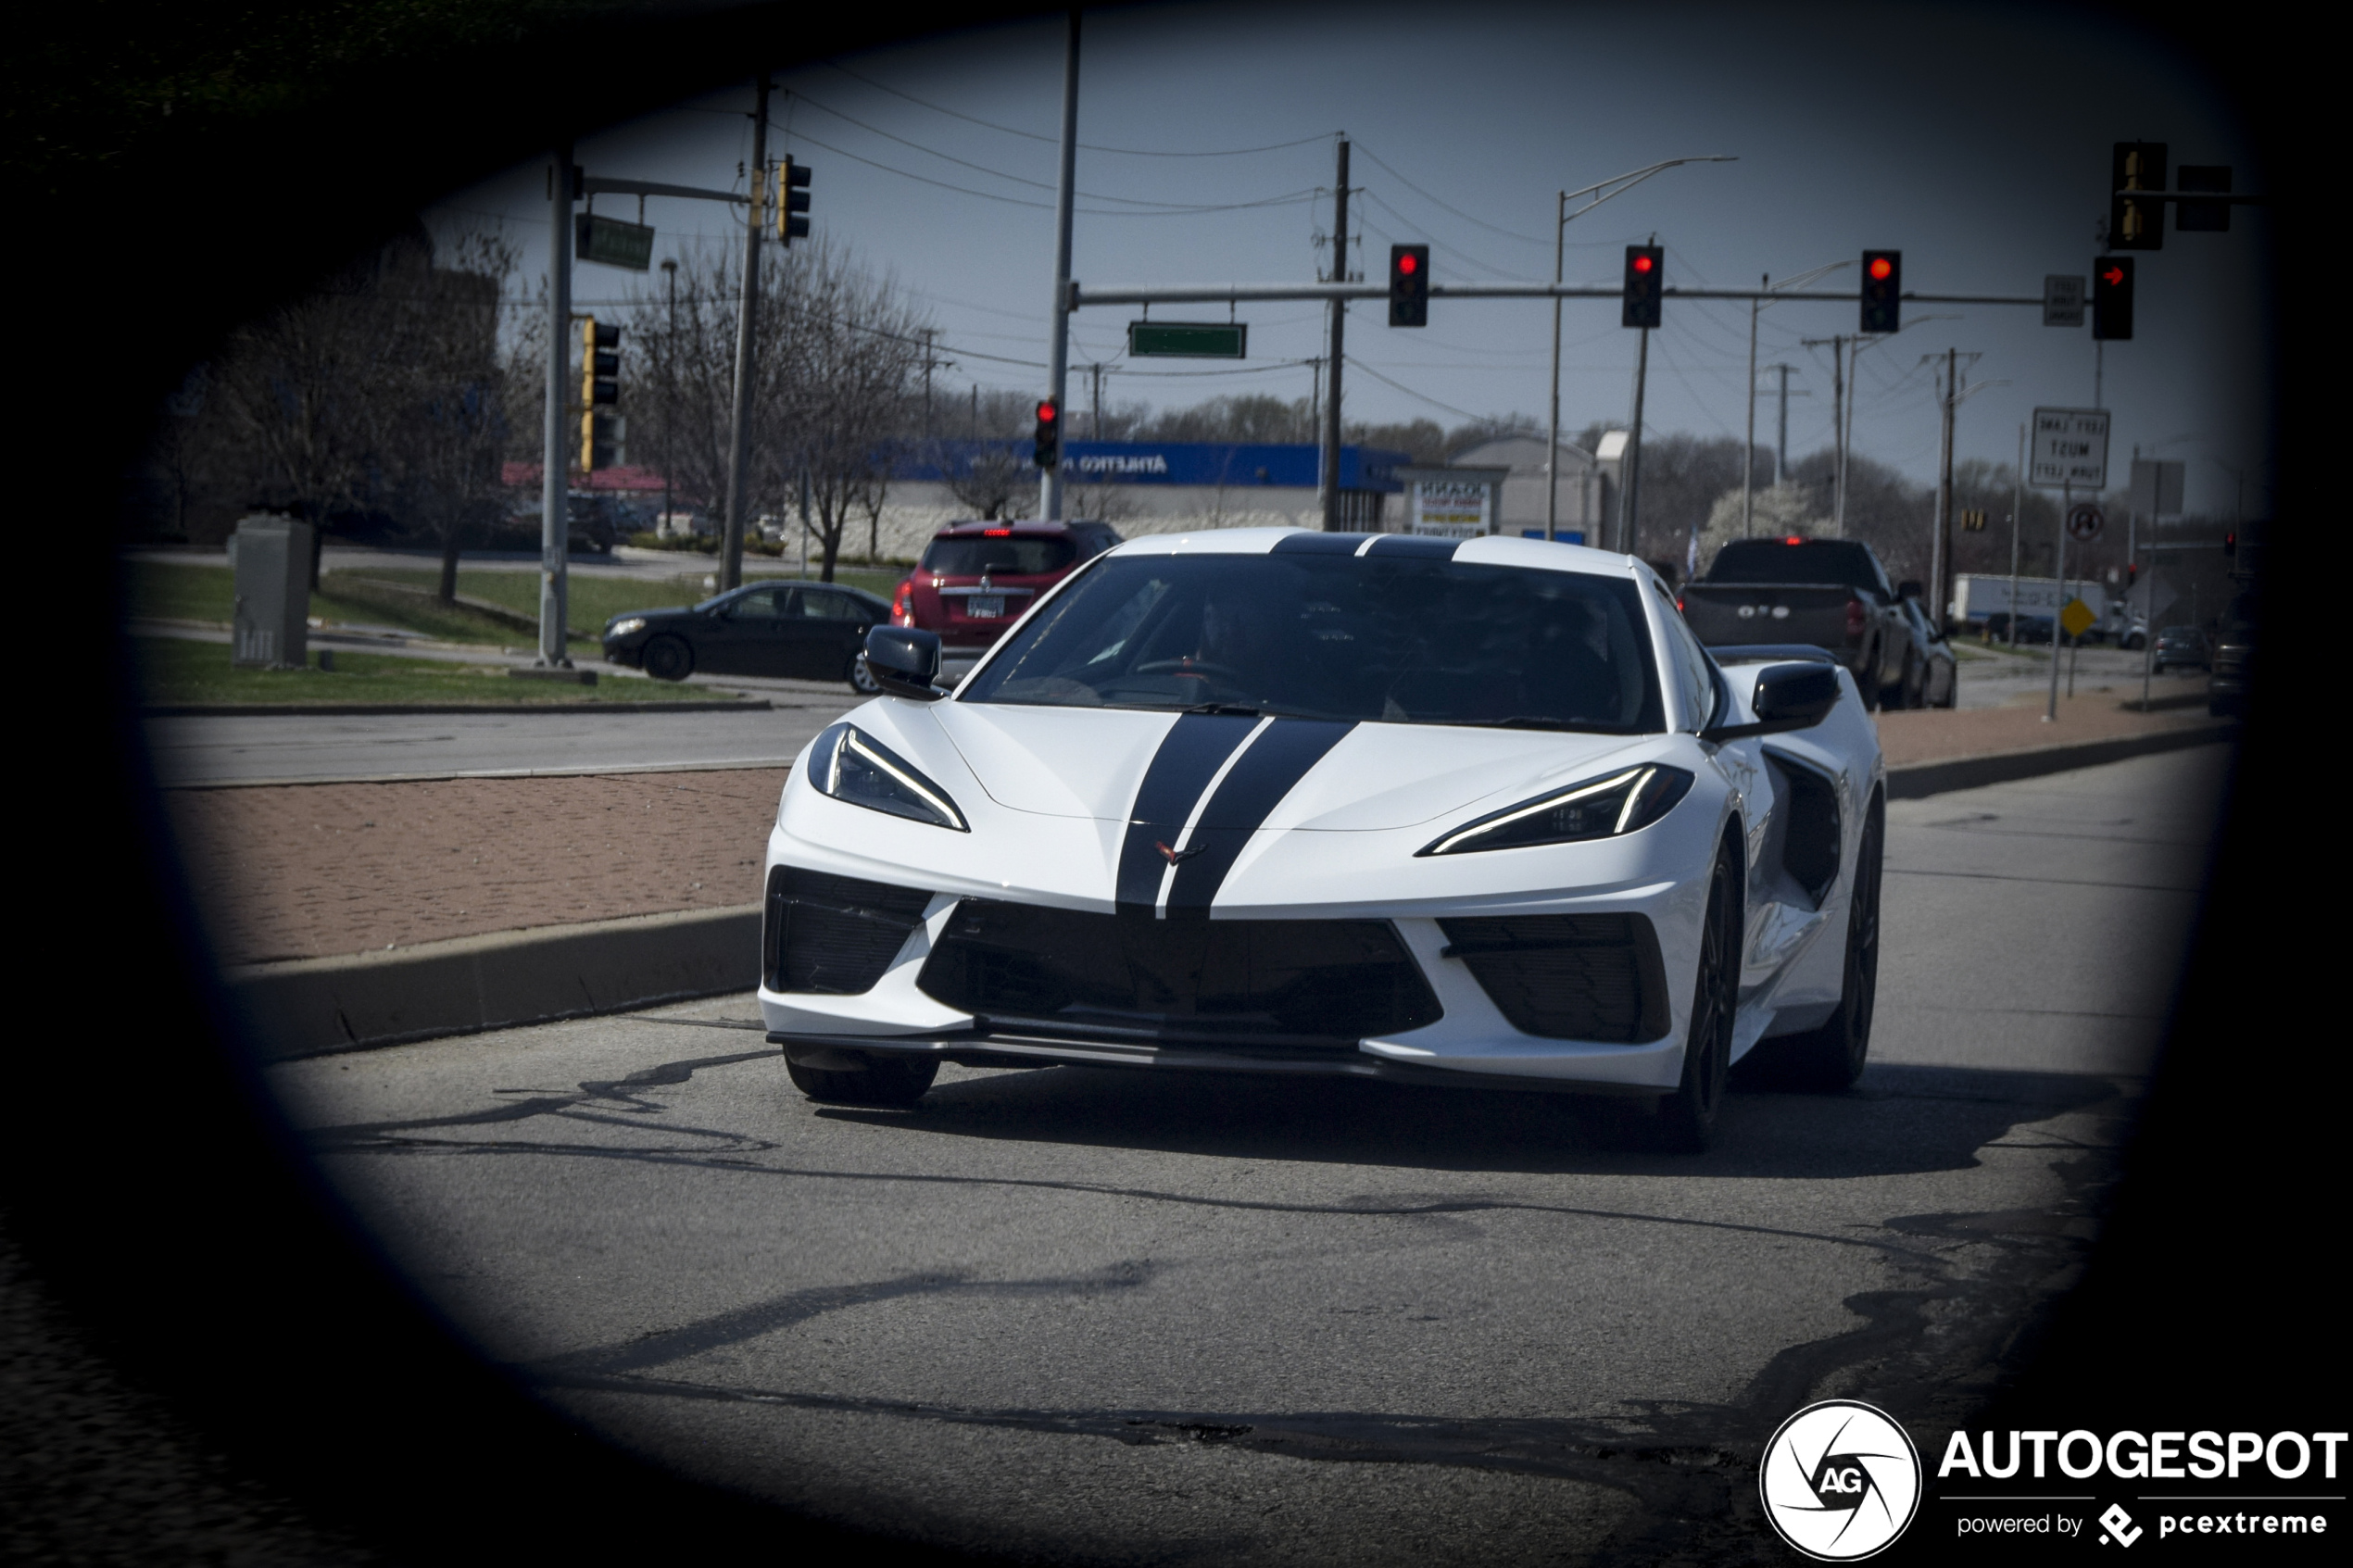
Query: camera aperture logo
[[1840, 1480]]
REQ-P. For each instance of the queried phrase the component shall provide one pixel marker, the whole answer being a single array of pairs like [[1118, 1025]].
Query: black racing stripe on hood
[[1318, 544], [1417, 546], [1267, 771], [1195, 747]]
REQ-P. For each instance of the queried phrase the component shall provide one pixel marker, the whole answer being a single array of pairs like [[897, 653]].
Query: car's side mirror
[[904, 661], [1789, 696]]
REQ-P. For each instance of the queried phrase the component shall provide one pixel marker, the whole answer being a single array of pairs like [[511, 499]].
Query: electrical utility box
[[273, 619]]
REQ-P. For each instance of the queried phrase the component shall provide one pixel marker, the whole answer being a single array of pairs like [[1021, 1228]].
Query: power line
[[1409, 392], [1090, 147], [1507, 233], [1300, 196]]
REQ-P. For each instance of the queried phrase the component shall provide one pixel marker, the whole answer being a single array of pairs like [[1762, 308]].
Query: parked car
[[2030, 628], [1932, 675], [976, 578], [814, 630], [2230, 663], [1830, 593], [2181, 647]]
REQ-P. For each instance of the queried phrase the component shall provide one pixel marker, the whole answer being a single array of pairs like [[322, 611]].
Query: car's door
[[746, 637], [826, 633]]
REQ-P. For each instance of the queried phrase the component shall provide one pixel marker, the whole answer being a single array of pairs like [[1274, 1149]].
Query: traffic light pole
[[747, 327], [555, 518], [1629, 498], [1049, 481]]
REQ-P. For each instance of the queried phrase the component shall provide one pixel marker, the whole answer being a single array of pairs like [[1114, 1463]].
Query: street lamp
[[1561, 216]]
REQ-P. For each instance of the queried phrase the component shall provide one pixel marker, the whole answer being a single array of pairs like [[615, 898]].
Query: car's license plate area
[[989, 607]]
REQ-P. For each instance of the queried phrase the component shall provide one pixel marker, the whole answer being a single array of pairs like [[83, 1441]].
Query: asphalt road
[[1102, 1316]]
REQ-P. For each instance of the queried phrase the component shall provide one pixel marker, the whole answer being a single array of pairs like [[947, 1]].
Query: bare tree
[[993, 481]]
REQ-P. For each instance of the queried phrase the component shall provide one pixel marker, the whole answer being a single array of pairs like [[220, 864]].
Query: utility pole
[[1780, 445], [1837, 345], [1941, 554], [1049, 481], [1329, 469], [2018, 522], [555, 517], [1748, 446], [1629, 498], [669, 400], [1552, 447], [927, 365], [731, 557], [1095, 417], [1846, 430]]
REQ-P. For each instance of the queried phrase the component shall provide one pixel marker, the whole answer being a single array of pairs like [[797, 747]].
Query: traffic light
[[600, 394], [2136, 225], [2132, 574], [1645, 268], [1972, 522], [1409, 285], [2231, 545], [792, 199], [1882, 289], [2113, 297], [1049, 453]]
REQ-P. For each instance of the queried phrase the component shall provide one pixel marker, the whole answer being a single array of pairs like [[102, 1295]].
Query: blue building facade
[[1291, 466]]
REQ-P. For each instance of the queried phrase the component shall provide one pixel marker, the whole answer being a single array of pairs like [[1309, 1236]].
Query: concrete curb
[[1914, 780], [396, 709], [313, 1007]]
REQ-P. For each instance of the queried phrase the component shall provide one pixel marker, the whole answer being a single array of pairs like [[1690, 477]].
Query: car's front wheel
[[1687, 1117], [667, 658], [885, 1080]]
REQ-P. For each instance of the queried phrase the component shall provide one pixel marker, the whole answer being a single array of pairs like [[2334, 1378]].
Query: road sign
[[615, 244], [1188, 340], [2063, 300], [2077, 618], [2070, 448], [2084, 523]]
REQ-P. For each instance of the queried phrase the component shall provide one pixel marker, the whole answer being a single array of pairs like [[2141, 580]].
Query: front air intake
[[1568, 977], [834, 935]]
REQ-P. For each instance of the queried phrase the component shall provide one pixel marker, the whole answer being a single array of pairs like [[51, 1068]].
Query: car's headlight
[[1621, 803], [851, 765], [623, 627]]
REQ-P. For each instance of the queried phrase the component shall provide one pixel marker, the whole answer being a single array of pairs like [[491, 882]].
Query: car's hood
[[663, 612], [1127, 765]]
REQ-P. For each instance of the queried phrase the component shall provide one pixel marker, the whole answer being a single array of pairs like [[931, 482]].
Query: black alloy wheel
[[667, 658], [885, 1080], [1687, 1118], [1829, 1059]]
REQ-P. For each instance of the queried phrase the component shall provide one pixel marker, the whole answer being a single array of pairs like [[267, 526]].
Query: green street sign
[[1188, 340], [615, 244]]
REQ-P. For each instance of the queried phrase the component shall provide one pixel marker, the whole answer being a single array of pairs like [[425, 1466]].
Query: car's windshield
[[1843, 561], [1012, 556], [1401, 640]]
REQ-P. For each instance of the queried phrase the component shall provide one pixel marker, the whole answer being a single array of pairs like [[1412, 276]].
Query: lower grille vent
[[834, 935], [1272, 983], [1569, 977]]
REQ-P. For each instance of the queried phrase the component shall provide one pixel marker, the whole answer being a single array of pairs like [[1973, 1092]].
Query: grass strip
[[176, 669]]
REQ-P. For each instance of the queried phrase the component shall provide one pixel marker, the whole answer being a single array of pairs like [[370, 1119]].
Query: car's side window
[[765, 604], [1694, 674], [818, 605]]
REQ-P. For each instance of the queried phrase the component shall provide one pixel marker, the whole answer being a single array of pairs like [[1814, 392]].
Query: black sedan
[[813, 630]]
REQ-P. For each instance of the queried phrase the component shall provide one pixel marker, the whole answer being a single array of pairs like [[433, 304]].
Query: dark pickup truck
[[1829, 592]]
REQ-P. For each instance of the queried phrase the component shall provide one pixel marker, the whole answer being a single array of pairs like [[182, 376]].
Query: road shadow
[[1898, 1120]]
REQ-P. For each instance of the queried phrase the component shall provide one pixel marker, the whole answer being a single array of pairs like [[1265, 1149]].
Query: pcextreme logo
[[1840, 1480]]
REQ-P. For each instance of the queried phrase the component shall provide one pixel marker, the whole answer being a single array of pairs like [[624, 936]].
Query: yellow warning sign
[[2077, 618]]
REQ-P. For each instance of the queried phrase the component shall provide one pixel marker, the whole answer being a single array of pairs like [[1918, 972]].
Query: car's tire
[[1828, 1059], [667, 658], [1952, 688], [1686, 1122], [862, 680], [1912, 687], [885, 1080]]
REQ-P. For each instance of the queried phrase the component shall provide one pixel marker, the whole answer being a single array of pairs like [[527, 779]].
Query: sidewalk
[[1931, 734]]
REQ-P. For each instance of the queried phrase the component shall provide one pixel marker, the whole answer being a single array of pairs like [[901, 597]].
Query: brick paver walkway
[[308, 871]]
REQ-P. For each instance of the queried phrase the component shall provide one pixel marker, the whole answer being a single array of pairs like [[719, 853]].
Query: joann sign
[[1451, 503]]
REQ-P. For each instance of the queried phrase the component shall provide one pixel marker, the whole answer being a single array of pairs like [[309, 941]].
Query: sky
[[1973, 138]]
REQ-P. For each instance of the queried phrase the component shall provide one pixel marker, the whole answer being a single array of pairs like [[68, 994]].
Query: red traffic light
[[1881, 266], [2113, 276], [1641, 264], [1409, 264], [1046, 412]]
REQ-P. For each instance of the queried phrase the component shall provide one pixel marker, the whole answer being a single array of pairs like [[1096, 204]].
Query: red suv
[[976, 578]]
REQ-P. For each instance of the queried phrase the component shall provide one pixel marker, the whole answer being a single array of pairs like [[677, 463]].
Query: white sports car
[[1478, 811]]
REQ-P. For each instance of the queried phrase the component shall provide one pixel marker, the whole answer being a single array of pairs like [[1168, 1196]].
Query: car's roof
[[1492, 549], [1017, 526]]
